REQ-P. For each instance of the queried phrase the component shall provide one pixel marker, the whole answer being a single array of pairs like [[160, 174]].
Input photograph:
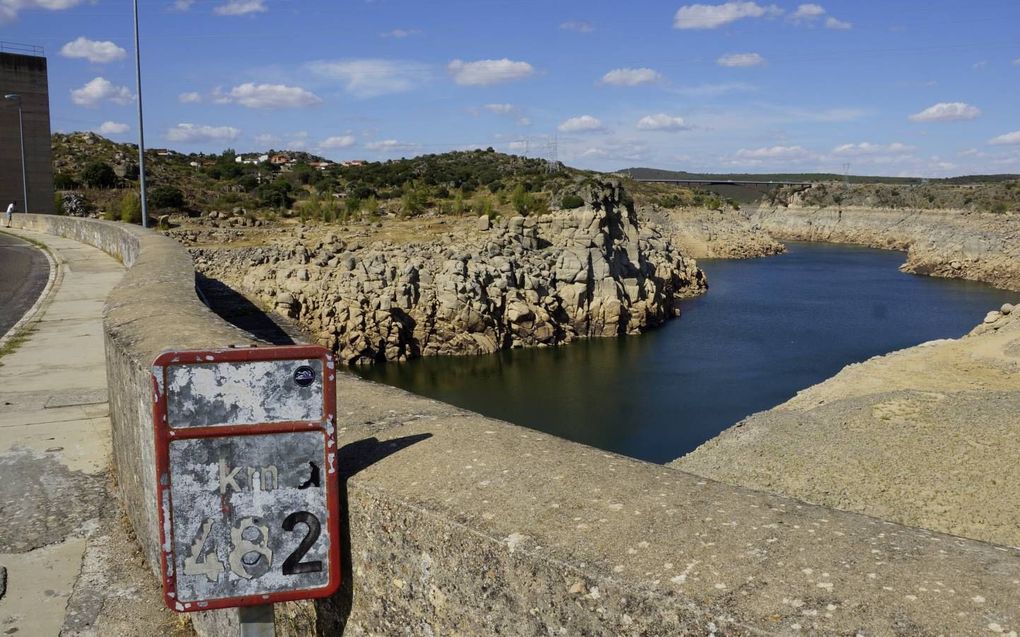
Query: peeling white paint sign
[[246, 475]]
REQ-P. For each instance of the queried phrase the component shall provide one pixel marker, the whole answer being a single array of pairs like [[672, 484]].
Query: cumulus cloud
[[581, 26], [500, 109], [389, 144], [369, 77], [581, 124], [741, 60], [271, 96], [191, 97], [1009, 139], [662, 122], [182, 5], [774, 152], [833, 23], [95, 51], [399, 33], [808, 12], [241, 7], [101, 90], [631, 77], [488, 72], [946, 112], [867, 148], [713, 16], [9, 9], [337, 142], [112, 128], [193, 133]]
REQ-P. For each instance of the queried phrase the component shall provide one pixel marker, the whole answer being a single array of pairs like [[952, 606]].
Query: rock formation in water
[[518, 282]]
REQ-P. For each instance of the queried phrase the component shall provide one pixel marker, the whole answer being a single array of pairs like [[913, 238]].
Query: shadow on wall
[[332, 612]]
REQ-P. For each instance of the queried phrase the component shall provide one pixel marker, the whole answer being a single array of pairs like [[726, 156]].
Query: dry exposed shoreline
[[926, 436]]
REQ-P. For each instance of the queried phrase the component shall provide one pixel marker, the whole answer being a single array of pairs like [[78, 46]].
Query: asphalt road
[[24, 270]]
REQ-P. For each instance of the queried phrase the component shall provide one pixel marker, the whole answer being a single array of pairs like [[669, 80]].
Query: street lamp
[[141, 131], [14, 97]]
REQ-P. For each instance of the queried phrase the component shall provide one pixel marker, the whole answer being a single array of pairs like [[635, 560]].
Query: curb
[[56, 275]]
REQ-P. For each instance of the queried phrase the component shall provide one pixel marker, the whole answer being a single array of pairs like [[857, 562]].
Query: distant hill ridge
[[657, 173]]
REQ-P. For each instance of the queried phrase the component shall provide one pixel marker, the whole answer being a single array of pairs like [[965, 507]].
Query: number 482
[[249, 545]]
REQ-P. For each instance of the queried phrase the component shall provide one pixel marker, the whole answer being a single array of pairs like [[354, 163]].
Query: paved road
[[24, 270]]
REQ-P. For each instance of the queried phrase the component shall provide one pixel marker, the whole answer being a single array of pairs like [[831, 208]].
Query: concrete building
[[24, 73]]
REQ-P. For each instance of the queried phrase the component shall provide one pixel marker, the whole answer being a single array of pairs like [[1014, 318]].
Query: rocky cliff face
[[713, 234], [953, 244], [521, 282]]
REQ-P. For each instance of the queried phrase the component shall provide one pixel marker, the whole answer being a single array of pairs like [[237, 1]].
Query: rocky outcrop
[[953, 244], [518, 282], [713, 234]]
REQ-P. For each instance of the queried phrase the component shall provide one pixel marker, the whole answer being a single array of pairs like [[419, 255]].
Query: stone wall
[[459, 524]]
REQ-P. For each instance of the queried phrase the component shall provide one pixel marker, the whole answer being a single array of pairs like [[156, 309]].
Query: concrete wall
[[26, 76], [459, 524]]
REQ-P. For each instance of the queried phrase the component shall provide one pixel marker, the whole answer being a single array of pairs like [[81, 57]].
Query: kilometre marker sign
[[246, 476]]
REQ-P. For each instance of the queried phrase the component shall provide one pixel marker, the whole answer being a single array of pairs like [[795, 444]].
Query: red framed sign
[[246, 476]]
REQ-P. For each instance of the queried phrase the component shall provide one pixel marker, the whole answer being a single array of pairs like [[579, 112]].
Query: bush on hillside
[[130, 208], [99, 174], [166, 197]]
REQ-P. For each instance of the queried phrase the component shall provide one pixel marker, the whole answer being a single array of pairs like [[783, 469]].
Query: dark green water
[[766, 329]]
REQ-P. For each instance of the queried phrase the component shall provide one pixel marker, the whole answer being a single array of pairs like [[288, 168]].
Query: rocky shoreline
[[481, 287]]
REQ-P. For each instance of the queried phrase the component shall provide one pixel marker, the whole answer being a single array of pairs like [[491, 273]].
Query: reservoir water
[[766, 329]]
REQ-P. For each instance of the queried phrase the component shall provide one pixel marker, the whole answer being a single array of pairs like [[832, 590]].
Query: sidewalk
[[72, 566]]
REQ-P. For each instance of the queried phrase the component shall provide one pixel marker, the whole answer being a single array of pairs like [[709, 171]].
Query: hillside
[[655, 173]]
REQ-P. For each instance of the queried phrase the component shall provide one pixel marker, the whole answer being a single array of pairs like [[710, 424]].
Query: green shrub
[[571, 202], [99, 174], [370, 206], [63, 181], [130, 208], [166, 197], [58, 204]]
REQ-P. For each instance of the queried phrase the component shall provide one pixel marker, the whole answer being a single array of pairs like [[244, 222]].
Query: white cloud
[[399, 33], [368, 77], [808, 12], [192, 133], [340, 141], [867, 148], [9, 9], [191, 97], [946, 112], [1009, 139], [833, 23], [99, 90], [389, 144], [774, 152], [95, 51], [113, 128], [488, 72], [714, 90], [662, 122], [1016, 62], [581, 124], [741, 60], [273, 96], [631, 77], [500, 109], [581, 26], [713, 16], [241, 7], [183, 5]]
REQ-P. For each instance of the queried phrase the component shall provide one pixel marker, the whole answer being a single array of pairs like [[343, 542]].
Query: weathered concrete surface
[[61, 537], [927, 436], [459, 524]]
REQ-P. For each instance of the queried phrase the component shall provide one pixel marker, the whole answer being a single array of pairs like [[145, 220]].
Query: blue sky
[[897, 87]]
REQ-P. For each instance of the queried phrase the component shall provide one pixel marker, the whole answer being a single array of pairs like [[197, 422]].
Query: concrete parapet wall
[[459, 524]]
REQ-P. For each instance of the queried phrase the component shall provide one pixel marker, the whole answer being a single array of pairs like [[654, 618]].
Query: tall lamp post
[[14, 97], [141, 131]]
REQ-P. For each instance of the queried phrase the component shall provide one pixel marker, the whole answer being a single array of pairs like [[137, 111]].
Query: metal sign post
[[246, 478]]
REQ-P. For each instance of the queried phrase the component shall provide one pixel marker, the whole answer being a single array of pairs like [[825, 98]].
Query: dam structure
[[24, 77]]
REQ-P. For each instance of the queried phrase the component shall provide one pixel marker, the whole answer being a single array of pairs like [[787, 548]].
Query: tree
[[99, 174], [166, 197], [130, 208]]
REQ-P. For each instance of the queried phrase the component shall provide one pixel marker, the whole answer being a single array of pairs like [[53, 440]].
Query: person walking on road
[[9, 214]]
